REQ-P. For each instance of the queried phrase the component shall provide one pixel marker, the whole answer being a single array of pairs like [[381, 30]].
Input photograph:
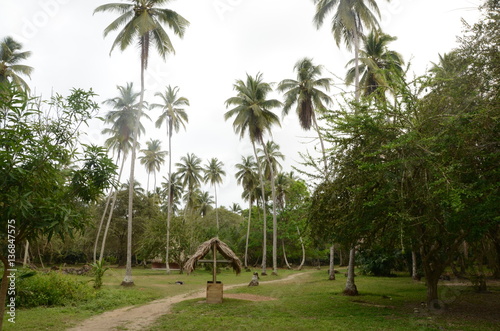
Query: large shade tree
[[350, 18], [141, 22], [174, 116], [252, 113]]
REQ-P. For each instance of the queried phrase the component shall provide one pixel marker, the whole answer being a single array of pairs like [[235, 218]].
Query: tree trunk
[[356, 66], [110, 216], [303, 250], [284, 255], [26, 254], [350, 286], [216, 211], [248, 232], [275, 221], [264, 240], [414, 272], [108, 199], [323, 150], [3, 288], [331, 270], [40, 257], [170, 197], [127, 280]]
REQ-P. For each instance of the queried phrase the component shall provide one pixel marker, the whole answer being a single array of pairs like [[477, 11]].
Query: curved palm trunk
[[248, 233], [170, 198], [275, 221], [303, 250], [284, 255], [356, 66], [323, 150], [264, 226], [110, 216]]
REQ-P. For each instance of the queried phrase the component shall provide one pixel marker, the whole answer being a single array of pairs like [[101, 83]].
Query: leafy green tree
[[173, 116], [350, 17], [204, 202], [10, 67], [142, 23], [48, 178], [253, 113], [153, 158], [213, 174]]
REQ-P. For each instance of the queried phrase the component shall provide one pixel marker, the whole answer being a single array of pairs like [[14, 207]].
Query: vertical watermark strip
[[11, 258]]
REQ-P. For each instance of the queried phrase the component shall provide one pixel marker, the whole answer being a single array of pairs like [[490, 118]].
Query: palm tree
[[172, 190], [189, 170], [10, 56], [252, 113], [378, 66], [270, 154], [122, 119], [246, 176], [235, 208], [213, 175], [141, 20], [349, 19], [173, 116], [307, 92], [152, 159], [204, 202]]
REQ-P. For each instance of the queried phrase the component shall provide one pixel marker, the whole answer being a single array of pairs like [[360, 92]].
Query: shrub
[[51, 289]]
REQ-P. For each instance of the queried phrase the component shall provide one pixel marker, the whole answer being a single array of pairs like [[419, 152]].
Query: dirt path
[[139, 318]]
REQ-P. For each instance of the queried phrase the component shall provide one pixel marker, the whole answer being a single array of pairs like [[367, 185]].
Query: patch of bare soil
[[139, 318]]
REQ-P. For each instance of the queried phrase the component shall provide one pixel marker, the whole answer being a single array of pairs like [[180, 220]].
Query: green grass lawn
[[309, 302]]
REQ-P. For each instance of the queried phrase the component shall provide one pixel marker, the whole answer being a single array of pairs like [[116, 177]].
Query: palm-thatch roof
[[206, 247]]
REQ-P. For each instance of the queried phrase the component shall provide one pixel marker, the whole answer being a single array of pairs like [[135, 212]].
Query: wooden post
[[215, 264]]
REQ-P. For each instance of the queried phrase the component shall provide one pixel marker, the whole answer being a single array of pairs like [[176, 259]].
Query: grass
[[304, 303]]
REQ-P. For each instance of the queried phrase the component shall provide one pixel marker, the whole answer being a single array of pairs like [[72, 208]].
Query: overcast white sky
[[226, 40]]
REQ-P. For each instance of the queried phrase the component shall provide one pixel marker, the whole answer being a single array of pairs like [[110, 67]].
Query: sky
[[226, 40]]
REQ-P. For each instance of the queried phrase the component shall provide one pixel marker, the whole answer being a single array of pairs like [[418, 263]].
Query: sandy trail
[[140, 317]]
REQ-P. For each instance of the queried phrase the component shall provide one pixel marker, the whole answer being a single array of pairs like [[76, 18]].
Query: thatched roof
[[206, 247]]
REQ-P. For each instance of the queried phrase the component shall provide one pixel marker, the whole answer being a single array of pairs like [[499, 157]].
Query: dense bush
[[377, 262], [51, 289]]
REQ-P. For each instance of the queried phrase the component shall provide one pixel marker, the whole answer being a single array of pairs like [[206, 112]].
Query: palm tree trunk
[[414, 272], [356, 66], [284, 255], [108, 199], [216, 211], [127, 280], [275, 221], [350, 286], [113, 201], [323, 150], [26, 254], [248, 232], [170, 198], [303, 250], [264, 226], [331, 270]]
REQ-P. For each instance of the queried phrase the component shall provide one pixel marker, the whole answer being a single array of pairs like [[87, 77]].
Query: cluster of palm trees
[[140, 22]]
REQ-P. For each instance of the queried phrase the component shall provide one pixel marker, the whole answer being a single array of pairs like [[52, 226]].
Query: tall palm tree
[[152, 159], [213, 175], [122, 118], [189, 170], [142, 23], [378, 66], [10, 68], [235, 208], [269, 157], [348, 22], [252, 113], [174, 116], [308, 92], [247, 177]]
